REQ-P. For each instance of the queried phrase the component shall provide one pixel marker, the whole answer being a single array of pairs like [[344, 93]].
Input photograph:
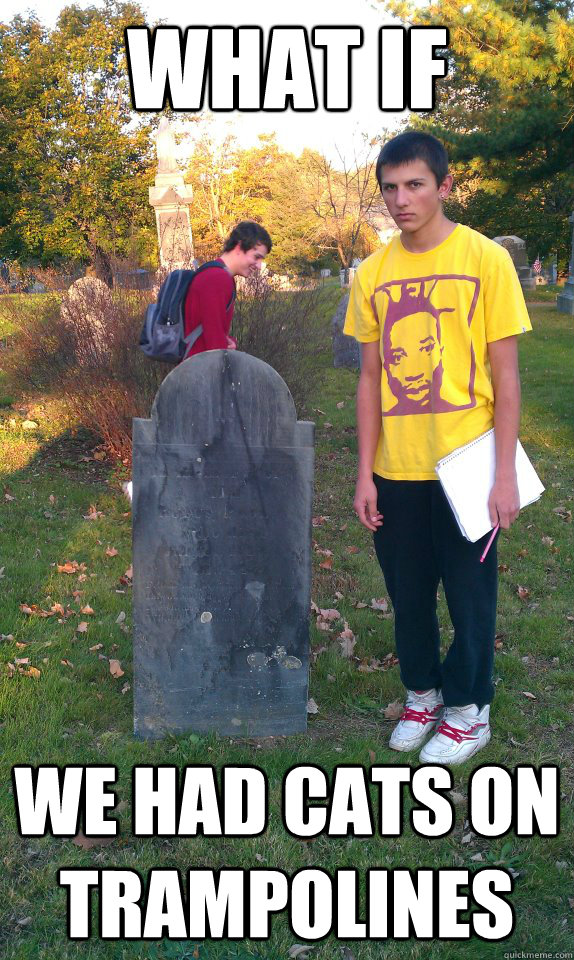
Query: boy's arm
[[368, 430], [504, 501]]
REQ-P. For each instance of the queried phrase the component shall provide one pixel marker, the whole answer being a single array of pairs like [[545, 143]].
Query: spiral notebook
[[467, 477]]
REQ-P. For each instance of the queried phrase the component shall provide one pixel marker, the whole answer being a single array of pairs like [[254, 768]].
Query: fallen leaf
[[126, 687], [353, 550], [93, 513], [33, 672], [338, 595], [372, 756], [57, 608], [300, 951], [394, 710], [86, 843], [327, 564], [9, 497], [340, 405], [347, 641], [548, 541], [71, 566], [121, 617], [319, 521], [87, 610], [20, 660], [522, 553], [523, 593], [129, 574], [381, 604], [82, 627], [111, 552], [330, 614], [99, 455], [531, 696], [52, 499], [67, 663], [24, 921], [311, 706], [324, 552], [116, 668], [327, 425], [96, 646], [19, 643]]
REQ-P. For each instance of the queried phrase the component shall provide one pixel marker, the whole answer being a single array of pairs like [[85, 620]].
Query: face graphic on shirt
[[412, 358], [427, 352]]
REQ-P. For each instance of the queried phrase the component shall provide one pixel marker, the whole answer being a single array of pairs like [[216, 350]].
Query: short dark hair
[[247, 234], [410, 146]]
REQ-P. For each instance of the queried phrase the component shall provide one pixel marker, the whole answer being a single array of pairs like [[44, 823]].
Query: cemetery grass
[[76, 711]]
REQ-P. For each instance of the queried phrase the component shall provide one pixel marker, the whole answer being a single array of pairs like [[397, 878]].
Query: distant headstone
[[346, 351], [517, 250], [84, 308], [325, 272], [565, 299], [222, 505]]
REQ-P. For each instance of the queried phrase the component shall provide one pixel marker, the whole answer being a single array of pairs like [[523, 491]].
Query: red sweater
[[206, 303]]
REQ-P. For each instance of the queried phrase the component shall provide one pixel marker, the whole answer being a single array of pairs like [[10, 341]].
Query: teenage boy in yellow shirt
[[437, 312]]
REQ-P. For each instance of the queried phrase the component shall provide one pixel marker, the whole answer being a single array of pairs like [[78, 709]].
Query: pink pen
[[489, 544]]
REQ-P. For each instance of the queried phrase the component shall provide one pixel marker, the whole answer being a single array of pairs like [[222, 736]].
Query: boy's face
[[249, 262], [412, 195]]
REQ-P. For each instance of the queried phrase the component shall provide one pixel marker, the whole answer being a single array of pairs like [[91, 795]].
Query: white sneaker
[[462, 732], [421, 715]]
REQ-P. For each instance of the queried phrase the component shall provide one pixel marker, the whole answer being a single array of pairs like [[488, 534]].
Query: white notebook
[[467, 477]]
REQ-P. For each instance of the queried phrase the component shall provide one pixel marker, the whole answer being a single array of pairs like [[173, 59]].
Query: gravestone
[[222, 503], [346, 351], [517, 250], [565, 299]]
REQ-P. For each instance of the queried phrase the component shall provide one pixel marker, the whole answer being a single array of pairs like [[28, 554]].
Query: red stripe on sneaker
[[459, 735], [420, 716]]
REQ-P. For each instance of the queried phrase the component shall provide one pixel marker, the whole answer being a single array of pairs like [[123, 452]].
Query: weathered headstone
[[565, 299], [345, 349], [517, 250], [223, 476]]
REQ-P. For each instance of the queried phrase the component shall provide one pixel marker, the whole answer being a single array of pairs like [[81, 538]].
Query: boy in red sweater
[[211, 296]]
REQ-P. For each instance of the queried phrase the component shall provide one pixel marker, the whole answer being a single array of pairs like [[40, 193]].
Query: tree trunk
[[100, 263]]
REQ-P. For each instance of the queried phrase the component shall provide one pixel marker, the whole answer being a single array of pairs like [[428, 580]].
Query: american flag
[[537, 266]]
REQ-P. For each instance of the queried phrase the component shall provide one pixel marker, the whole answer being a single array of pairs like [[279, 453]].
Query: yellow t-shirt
[[434, 314]]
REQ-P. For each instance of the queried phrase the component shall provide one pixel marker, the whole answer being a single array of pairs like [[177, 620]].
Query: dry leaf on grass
[[93, 513], [86, 843], [111, 552], [87, 611], [347, 641], [70, 566], [394, 710], [300, 951], [531, 696], [327, 564], [121, 617], [382, 604], [523, 593], [67, 663], [99, 455], [116, 668], [82, 627], [330, 614], [312, 706], [353, 550], [126, 687], [96, 646]]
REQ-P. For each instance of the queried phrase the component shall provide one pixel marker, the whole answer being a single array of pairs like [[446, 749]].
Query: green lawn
[[76, 712]]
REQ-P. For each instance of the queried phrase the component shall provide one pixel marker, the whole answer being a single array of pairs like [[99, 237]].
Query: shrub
[[84, 349]]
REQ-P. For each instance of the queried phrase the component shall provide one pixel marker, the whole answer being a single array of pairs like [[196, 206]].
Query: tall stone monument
[[346, 350], [517, 250], [565, 299], [222, 503], [170, 198]]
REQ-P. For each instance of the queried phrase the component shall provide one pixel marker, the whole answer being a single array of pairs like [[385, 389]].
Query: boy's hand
[[504, 502], [365, 504]]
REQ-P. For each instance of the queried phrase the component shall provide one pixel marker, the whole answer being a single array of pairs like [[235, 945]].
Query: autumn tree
[[78, 165], [342, 199]]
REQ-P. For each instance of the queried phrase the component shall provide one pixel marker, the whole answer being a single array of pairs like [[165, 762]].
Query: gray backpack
[[163, 333]]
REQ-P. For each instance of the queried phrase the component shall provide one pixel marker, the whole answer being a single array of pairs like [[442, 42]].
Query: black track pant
[[418, 545]]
